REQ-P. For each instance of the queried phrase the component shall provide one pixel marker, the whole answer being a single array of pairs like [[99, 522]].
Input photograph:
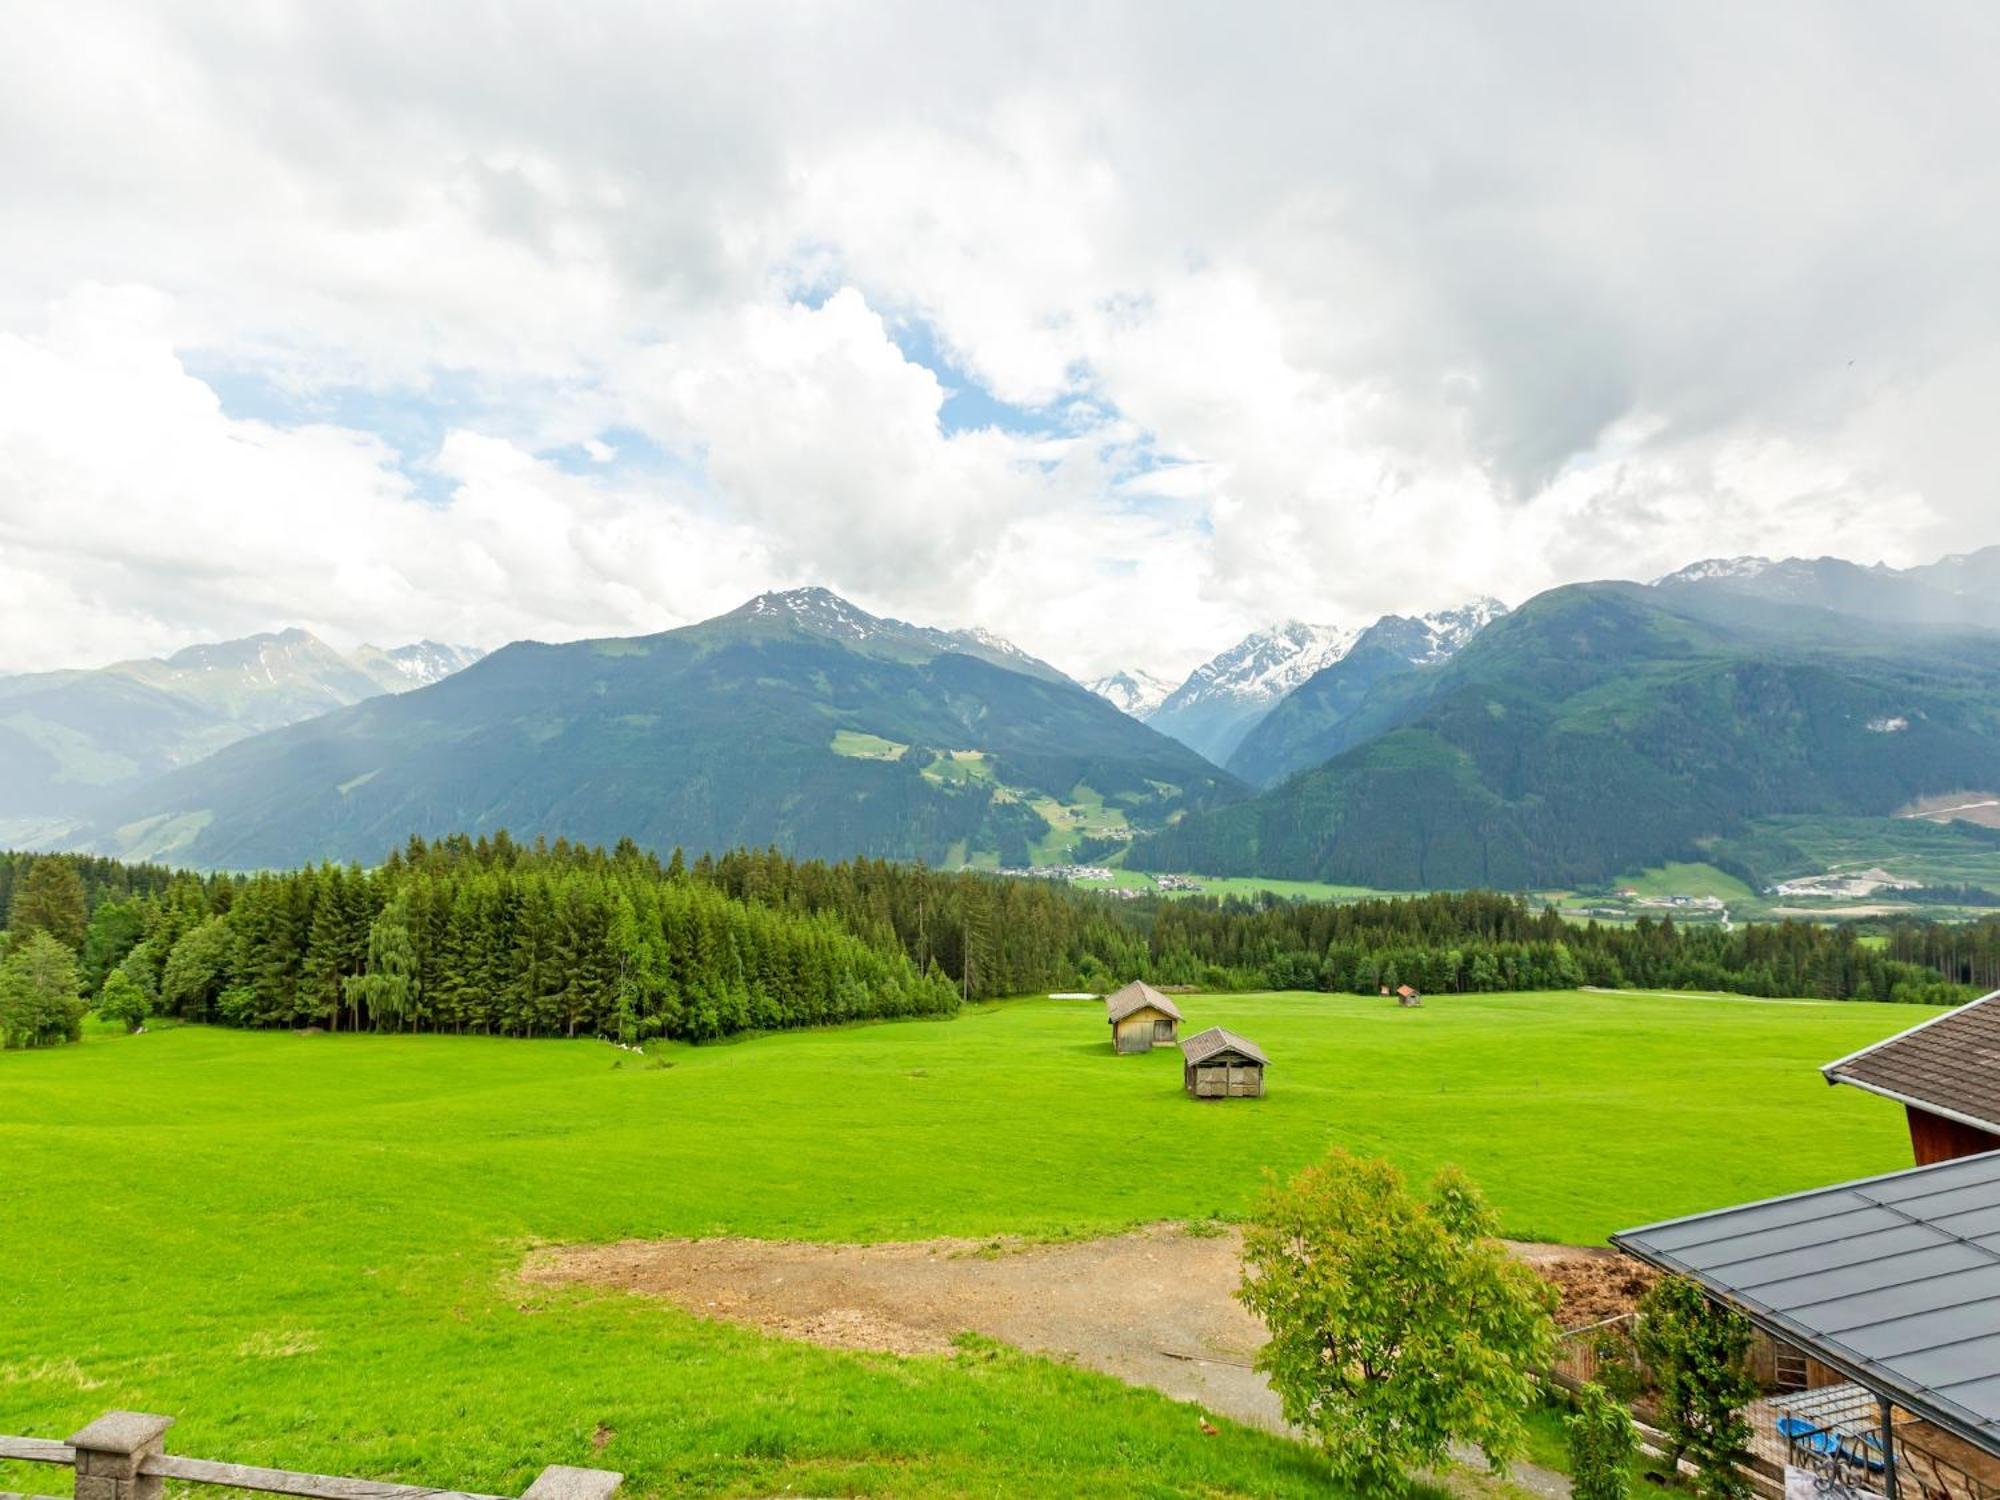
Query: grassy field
[[306, 1247], [1685, 880], [1242, 885]]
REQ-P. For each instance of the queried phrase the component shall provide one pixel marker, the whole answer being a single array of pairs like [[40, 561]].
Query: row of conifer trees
[[491, 935]]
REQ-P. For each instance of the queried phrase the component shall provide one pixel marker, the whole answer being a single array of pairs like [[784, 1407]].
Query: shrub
[[1698, 1351], [1602, 1444], [124, 1000], [1398, 1325]]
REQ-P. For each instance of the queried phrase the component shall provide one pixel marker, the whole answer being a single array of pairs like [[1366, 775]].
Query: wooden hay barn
[[1219, 1064], [1140, 1016], [1407, 996]]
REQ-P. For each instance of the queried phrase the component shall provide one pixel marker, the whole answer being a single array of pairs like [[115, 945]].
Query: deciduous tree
[[1398, 1325], [40, 1003], [123, 1000], [1698, 1351]]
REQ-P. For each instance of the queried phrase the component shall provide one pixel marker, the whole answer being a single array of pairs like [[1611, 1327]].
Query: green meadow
[[306, 1247]]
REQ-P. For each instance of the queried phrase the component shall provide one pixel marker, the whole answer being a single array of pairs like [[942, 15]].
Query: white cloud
[[1411, 304]]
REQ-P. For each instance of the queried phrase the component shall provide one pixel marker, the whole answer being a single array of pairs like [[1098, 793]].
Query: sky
[[1119, 329]]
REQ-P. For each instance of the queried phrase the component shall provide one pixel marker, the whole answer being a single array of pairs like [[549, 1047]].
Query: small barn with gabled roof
[[1140, 1016], [1945, 1072], [1407, 996], [1219, 1064]]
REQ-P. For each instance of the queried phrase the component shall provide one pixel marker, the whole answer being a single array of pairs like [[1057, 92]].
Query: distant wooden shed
[[1407, 996], [1140, 1016], [1219, 1064]]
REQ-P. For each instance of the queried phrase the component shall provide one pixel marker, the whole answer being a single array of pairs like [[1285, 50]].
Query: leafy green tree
[[50, 899], [40, 999], [389, 989], [1398, 1324], [198, 970], [1698, 1351], [1603, 1441], [123, 1000]]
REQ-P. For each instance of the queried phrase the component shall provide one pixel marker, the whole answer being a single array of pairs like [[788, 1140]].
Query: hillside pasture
[[309, 1248]]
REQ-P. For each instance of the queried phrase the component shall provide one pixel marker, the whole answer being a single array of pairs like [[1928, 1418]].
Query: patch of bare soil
[[1153, 1307], [1596, 1287], [1866, 909], [1982, 808]]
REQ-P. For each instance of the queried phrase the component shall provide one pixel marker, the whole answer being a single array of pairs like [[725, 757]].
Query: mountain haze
[[68, 739], [797, 719]]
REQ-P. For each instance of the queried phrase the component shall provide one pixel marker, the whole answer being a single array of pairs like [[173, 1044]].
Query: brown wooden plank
[[36, 1451], [285, 1482]]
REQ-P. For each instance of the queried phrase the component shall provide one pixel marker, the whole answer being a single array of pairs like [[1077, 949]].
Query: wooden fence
[[122, 1456]]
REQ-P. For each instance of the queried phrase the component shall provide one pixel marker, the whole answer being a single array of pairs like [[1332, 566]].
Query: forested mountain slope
[[1601, 728], [797, 720]]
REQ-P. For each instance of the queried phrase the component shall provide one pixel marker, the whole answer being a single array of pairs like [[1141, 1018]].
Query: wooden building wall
[[1225, 1080], [1140, 1030], [1934, 1138]]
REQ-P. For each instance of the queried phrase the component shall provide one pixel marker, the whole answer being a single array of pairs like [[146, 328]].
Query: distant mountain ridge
[[70, 738], [1607, 727], [822, 611], [797, 719], [1961, 590]]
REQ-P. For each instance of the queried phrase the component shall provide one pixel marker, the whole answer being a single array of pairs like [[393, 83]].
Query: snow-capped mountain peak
[[979, 635], [1135, 692], [1266, 664], [817, 609], [1449, 629]]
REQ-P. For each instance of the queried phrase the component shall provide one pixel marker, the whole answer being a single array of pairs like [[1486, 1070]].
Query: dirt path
[[1152, 1307]]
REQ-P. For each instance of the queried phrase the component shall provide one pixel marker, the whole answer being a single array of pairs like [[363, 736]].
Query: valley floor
[[310, 1248]]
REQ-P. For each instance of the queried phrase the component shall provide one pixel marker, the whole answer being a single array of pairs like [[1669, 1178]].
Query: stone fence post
[[109, 1452]]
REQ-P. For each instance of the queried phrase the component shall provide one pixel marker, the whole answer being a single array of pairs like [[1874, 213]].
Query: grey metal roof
[[1948, 1064], [1206, 1044], [1894, 1281], [1136, 996]]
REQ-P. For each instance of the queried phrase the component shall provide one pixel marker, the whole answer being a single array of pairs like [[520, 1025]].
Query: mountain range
[[1962, 590], [1602, 728], [796, 719], [1226, 699], [1598, 729], [68, 739]]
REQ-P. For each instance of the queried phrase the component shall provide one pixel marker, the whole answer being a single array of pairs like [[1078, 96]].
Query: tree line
[[491, 935]]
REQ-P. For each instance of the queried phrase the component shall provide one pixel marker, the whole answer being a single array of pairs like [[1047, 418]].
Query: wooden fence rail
[[121, 1456]]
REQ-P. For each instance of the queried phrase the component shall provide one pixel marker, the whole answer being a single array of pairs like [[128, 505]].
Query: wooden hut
[[1140, 1016], [1219, 1064], [1407, 996]]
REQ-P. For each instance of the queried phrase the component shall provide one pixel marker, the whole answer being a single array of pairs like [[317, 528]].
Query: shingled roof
[[1137, 996], [1948, 1065], [1206, 1044]]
